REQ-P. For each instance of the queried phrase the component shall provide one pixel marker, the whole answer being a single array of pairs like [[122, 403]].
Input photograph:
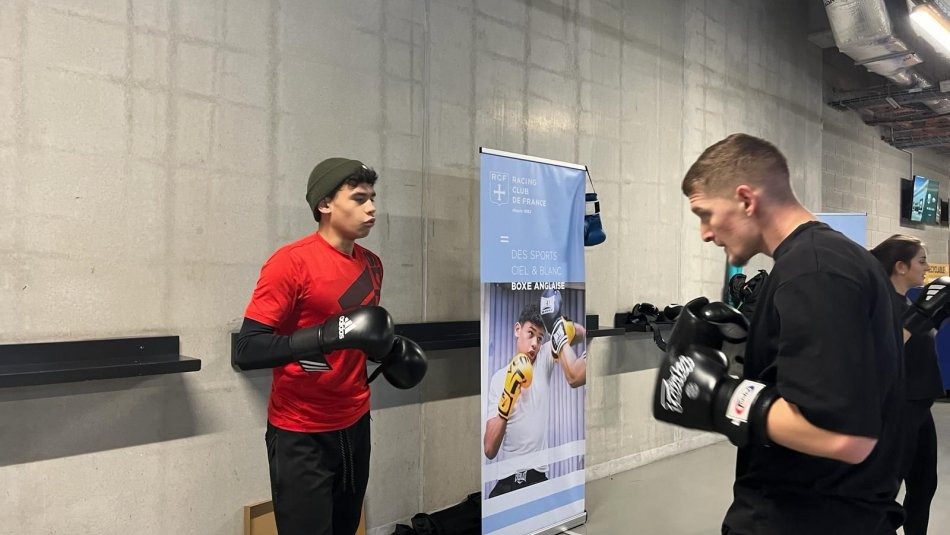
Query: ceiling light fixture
[[932, 26]]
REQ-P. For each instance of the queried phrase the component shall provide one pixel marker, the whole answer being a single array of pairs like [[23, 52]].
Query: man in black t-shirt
[[817, 411]]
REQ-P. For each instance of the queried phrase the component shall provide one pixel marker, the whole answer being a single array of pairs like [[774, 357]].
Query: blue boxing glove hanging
[[593, 227]]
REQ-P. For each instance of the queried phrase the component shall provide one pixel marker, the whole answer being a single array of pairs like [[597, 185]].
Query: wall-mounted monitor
[[920, 202], [907, 193], [925, 202]]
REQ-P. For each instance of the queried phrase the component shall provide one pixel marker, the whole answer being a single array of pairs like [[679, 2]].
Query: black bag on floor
[[462, 519]]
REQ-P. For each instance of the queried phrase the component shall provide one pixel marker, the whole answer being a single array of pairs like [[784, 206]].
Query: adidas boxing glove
[[369, 329], [931, 307]]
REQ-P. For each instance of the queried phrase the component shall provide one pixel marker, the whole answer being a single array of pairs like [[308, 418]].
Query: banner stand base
[[563, 527]]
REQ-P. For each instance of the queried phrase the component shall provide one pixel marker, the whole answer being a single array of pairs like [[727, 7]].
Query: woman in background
[[905, 260]]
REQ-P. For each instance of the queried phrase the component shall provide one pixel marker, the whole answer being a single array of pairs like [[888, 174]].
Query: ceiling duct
[[862, 30], [942, 5]]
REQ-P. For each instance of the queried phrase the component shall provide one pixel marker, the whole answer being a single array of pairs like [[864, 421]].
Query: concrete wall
[[154, 152], [709, 70]]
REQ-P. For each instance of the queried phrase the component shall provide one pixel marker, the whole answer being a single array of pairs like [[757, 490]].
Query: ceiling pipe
[[863, 31]]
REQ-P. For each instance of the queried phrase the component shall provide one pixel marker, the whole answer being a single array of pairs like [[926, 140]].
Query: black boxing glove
[[732, 326], [694, 390], [931, 307], [369, 329], [404, 366], [707, 324]]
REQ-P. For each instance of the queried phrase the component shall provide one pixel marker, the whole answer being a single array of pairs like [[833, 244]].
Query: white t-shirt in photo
[[527, 426]]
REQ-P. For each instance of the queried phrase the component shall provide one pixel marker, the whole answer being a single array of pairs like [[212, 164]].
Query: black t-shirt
[[921, 367], [827, 333]]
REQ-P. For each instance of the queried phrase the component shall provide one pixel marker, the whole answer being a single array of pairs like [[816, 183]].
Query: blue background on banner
[[852, 225], [522, 241], [531, 509]]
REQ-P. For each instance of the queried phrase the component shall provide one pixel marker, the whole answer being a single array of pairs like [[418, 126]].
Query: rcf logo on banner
[[499, 188]]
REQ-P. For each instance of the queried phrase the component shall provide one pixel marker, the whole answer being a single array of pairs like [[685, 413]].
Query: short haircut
[[740, 159], [531, 313], [897, 248], [364, 175]]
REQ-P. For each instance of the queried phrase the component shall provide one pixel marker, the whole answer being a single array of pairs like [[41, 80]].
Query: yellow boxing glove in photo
[[519, 376]]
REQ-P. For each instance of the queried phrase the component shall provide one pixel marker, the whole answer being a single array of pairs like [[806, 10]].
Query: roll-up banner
[[534, 347]]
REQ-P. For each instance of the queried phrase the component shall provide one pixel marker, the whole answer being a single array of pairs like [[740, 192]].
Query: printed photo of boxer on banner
[[534, 344]]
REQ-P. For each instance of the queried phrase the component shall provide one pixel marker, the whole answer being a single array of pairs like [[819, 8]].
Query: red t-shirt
[[303, 284]]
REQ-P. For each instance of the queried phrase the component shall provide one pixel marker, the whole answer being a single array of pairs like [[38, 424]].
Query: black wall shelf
[[447, 335], [440, 335], [620, 321], [63, 362], [602, 333]]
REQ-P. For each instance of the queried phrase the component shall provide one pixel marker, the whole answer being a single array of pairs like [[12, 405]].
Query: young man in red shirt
[[314, 318]]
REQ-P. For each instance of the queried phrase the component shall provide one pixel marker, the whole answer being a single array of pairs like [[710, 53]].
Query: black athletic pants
[[514, 482], [920, 466], [318, 480]]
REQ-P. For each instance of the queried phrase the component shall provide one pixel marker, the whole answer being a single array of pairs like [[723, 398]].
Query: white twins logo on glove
[[671, 390], [547, 305]]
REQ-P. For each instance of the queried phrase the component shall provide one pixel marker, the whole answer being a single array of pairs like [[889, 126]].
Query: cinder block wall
[[861, 173]]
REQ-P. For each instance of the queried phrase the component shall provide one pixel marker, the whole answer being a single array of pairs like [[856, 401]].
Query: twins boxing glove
[[519, 376], [560, 328], [931, 307], [369, 329], [707, 324], [693, 388]]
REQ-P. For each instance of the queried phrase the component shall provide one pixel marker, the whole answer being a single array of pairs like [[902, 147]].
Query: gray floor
[[689, 493]]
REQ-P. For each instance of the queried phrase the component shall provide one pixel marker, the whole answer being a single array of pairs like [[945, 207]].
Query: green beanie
[[326, 177]]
